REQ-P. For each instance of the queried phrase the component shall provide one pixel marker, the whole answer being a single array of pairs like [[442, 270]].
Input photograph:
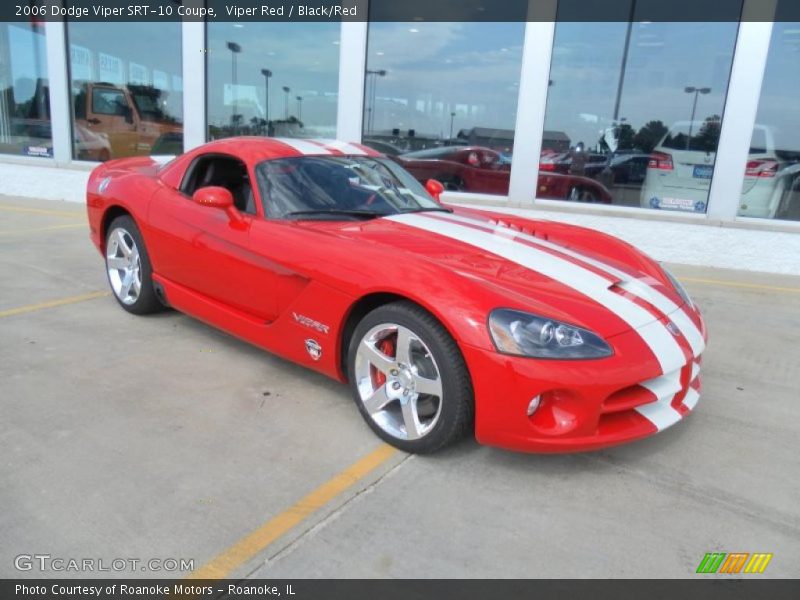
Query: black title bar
[[398, 10], [703, 587]]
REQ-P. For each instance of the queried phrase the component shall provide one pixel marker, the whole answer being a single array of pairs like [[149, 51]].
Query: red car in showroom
[[486, 171], [532, 335]]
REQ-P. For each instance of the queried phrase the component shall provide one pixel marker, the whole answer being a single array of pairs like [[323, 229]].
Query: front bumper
[[585, 405]]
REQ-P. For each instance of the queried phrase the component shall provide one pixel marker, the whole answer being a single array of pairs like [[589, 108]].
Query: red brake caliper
[[386, 346]]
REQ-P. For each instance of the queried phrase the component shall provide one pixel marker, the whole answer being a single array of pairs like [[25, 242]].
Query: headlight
[[524, 334], [678, 287]]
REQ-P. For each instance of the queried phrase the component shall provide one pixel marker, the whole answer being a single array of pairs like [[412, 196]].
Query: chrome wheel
[[398, 381], [124, 266]]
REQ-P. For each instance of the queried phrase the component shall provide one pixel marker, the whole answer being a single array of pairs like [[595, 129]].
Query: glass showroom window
[[443, 96], [634, 106], [772, 179], [24, 103], [126, 89], [278, 79]]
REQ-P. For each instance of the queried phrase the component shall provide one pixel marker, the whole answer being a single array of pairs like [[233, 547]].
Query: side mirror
[[215, 196], [434, 188]]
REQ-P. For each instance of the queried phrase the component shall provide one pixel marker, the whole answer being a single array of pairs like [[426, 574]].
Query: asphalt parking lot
[[159, 437]]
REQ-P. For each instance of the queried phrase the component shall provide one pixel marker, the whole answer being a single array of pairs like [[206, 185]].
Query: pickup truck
[[132, 117]]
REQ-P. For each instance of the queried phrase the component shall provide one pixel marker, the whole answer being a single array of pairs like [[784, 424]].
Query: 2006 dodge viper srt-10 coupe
[[534, 335]]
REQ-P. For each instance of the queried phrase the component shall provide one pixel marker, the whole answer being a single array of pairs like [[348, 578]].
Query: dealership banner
[[395, 10], [403, 589]]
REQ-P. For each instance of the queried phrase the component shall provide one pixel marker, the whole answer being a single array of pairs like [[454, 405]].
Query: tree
[[707, 138], [258, 126], [625, 137], [649, 135]]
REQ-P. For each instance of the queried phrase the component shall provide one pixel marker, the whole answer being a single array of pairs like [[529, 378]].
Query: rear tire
[[409, 379], [130, 274]]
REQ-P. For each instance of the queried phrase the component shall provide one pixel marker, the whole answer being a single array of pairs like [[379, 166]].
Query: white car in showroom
[[680, 168]]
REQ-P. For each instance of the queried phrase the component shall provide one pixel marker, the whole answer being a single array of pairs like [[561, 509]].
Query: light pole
[[299, 108], [286, 90], [696, 91], [235, 50], [624, 64], [452, 118], [267, 74], [374, 74]]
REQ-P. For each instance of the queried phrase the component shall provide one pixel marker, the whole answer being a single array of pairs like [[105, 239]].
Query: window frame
[[192, 167]]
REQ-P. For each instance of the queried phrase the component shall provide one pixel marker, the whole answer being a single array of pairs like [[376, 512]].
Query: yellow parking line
[[753, 286], [253, 543], [43, 211], [51, 304], [39, 229]]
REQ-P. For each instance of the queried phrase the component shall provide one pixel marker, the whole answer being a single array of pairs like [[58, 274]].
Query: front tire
[[409, 379], [128, 268]]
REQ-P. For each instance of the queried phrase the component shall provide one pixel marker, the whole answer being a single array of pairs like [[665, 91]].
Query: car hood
[[562, 271]]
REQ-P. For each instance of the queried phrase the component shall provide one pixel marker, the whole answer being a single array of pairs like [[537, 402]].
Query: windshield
[[338, 187], [148, 103]]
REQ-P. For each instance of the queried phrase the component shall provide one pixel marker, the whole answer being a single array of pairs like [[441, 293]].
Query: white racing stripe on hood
[[304, 146], [660, 341], [637, 287], [162, 159], [343, 147]]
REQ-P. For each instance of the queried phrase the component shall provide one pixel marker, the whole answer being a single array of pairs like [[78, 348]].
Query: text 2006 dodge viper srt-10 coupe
[[535, 335]]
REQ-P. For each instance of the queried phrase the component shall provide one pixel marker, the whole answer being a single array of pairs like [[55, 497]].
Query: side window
[[108, 102], [80, 103], [222, 171], [489, 160]]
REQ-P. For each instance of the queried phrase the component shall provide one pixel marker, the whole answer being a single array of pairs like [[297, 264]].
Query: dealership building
[[698, 120]]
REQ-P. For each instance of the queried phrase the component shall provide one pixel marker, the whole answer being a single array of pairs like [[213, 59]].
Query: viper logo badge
[[314, 349], [309, 322]]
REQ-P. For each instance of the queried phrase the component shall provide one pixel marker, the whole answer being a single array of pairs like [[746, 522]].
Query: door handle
[[93, 121]]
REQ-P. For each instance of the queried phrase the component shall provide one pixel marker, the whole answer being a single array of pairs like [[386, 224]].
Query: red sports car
[[534, 335], [485, 171]]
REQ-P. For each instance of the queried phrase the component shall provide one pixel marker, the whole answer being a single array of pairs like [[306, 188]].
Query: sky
[[27, 65], [662, 60], [121, 52], [778, 106], [435, 69], [301, 56]]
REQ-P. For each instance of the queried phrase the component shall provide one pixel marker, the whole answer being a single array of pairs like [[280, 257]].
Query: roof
[[256, 149], [555, 135], [488, 132], [508, 134]]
